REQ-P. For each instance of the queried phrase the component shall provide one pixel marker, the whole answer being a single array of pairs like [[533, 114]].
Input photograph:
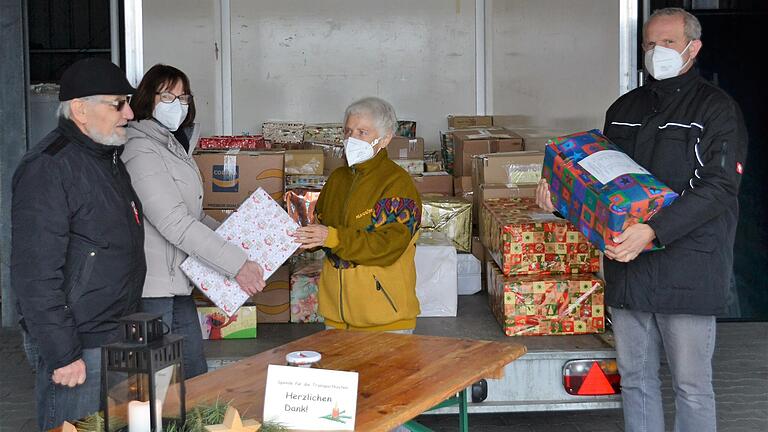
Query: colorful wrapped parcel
[[547, 305], [525, 240], [300, 204], [451, 216], [599, 188], [305, 276]]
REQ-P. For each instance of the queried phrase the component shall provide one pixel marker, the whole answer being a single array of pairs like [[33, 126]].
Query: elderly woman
[[369, 215]]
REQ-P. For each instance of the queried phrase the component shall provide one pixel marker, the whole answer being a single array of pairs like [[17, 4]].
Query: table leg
[[463, 414]]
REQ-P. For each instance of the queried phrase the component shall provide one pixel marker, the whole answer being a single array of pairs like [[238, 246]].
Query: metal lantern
[[142, 377]]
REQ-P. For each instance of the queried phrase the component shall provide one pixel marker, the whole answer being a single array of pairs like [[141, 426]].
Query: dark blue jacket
[[77, 260]]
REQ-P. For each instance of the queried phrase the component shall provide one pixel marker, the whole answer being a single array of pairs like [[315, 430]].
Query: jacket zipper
[[381, 288], [341, 297]]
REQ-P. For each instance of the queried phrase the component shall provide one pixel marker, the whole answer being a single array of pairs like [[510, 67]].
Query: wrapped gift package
[[469, 270], [305, 276], [599, 188], [262, 229], [246, 142], [304, 162], [273, 303], [447, 151], [436, 280], [406, 148], [300, 204], [525, 240], [451, 216], [434, 184], [412, 166], [329, 133], [216, 324], [283, 131], [229, 177], [406, 128], [303, 181], [547, 304]]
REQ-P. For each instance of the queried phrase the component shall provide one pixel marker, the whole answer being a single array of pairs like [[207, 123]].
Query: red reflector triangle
[[595, 383]]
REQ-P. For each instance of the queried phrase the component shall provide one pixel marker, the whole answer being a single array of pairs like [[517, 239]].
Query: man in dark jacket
[[77, 261], [691, 136]]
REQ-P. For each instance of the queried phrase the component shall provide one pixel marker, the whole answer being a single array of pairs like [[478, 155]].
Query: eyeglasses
[[168, 97], [118, 104]]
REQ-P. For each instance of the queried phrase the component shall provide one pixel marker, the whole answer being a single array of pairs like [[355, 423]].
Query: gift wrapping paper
[[304, 279], [215, 324], [246, 142], [547, 304], [436, 277], [525, 240], [262, 228], [300, 204], [285, 132], [451, 216], [412, 166], [447, 150], [313, 181], [601, 211], [406, 128]]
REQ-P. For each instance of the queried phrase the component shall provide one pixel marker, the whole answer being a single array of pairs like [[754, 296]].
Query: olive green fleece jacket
[[373, 213]]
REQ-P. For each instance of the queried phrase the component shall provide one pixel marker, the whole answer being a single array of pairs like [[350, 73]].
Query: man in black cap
[[77, 262]]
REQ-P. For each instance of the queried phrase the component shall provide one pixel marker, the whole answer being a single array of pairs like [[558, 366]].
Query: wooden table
[[400, 376]]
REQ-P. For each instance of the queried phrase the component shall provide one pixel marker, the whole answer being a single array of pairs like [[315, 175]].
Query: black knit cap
[[93, 76]]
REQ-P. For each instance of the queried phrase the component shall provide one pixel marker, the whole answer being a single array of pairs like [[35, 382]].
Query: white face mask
[[358, 151], [171, 115], [663, 63]]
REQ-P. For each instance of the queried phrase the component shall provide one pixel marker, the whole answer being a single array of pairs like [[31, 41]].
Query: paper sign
[[606, 165], [310, 398]]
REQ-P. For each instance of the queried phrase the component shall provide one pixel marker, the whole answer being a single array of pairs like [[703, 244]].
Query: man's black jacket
[[691, 136], [77, 260]]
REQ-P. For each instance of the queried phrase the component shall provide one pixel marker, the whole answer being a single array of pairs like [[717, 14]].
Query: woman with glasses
[[158, 156]]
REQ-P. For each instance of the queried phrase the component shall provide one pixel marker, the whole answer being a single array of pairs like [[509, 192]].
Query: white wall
[[183, 34], [307, 60], [550, 63], [553, 63]]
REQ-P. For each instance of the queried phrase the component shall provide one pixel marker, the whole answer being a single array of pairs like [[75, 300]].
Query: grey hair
[[692, 26], [65, 109], [381, 112]]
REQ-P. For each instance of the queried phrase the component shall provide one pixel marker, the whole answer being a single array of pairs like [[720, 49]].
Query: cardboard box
[[434, 184], [462, 187], [216, 325], [470, 143], [333, 157], [512, 168], [547, 305], [231, 177], [451, 216], [273, 304], [219, 215], [525, 240], [262, 229], [304, 162], [406, 148], [465, 121], [602, 208], [305, 276], [436, 277]]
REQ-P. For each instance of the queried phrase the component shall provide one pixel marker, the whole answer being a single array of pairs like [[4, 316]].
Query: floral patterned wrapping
[[525, 240], [300, 203], [262, 228], [600, 211], [547, 305], [246, 142], [304, 279]]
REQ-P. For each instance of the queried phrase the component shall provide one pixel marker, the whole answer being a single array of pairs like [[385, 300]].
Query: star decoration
[[233, 423]]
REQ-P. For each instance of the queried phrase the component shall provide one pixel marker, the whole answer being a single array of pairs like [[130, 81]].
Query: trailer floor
[[740, 379]]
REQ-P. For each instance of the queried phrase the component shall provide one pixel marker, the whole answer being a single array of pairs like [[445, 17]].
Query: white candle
[[138, 416]]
